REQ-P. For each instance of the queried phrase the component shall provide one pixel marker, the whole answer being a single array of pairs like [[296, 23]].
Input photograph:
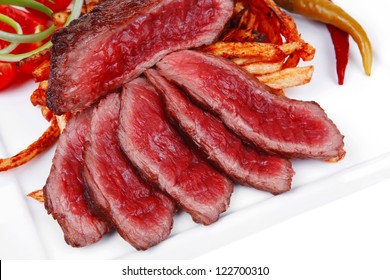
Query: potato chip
[[37, 195], [262, 68], [289, 77]]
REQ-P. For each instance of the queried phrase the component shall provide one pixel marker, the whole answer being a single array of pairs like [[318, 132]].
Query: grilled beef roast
[[241, 163], [142, 216], [274, 123], [119, 39], [64, 189], [162, 157]]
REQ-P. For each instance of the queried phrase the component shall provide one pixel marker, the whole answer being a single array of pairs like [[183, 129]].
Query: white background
[[345, 239]]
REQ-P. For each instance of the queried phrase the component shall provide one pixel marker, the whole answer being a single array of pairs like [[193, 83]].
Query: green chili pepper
[[327, 12]]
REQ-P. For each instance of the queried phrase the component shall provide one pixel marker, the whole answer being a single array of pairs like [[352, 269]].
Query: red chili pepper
[[340, 41], [27, 21], [56, 5]]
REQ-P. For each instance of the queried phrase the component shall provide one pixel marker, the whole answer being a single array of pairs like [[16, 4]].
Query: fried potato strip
[[262, 68], [35, 58], [42, 72], [37, 195], [265, 52], [260, 37], [47, 139]]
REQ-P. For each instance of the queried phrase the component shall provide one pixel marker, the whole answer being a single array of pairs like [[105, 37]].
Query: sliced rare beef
[[274, 123], [64, 189], [119, 39], [241, 163], [162, 157], [141, 215]]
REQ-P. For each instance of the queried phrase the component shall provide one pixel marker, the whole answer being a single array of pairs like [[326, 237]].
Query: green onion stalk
[[18, 38], [16, 26]]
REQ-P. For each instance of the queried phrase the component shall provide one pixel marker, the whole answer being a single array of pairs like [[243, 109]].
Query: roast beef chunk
[[241, 163], [119, 39], [141, 215], [64, 189], [274, 123], [162, 157]]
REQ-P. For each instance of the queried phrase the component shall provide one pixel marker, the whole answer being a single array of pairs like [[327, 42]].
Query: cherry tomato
[[5, 27], [7, 73], [30, 24]]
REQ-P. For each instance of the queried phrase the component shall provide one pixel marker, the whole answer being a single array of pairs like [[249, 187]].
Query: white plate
[[360, 109]]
